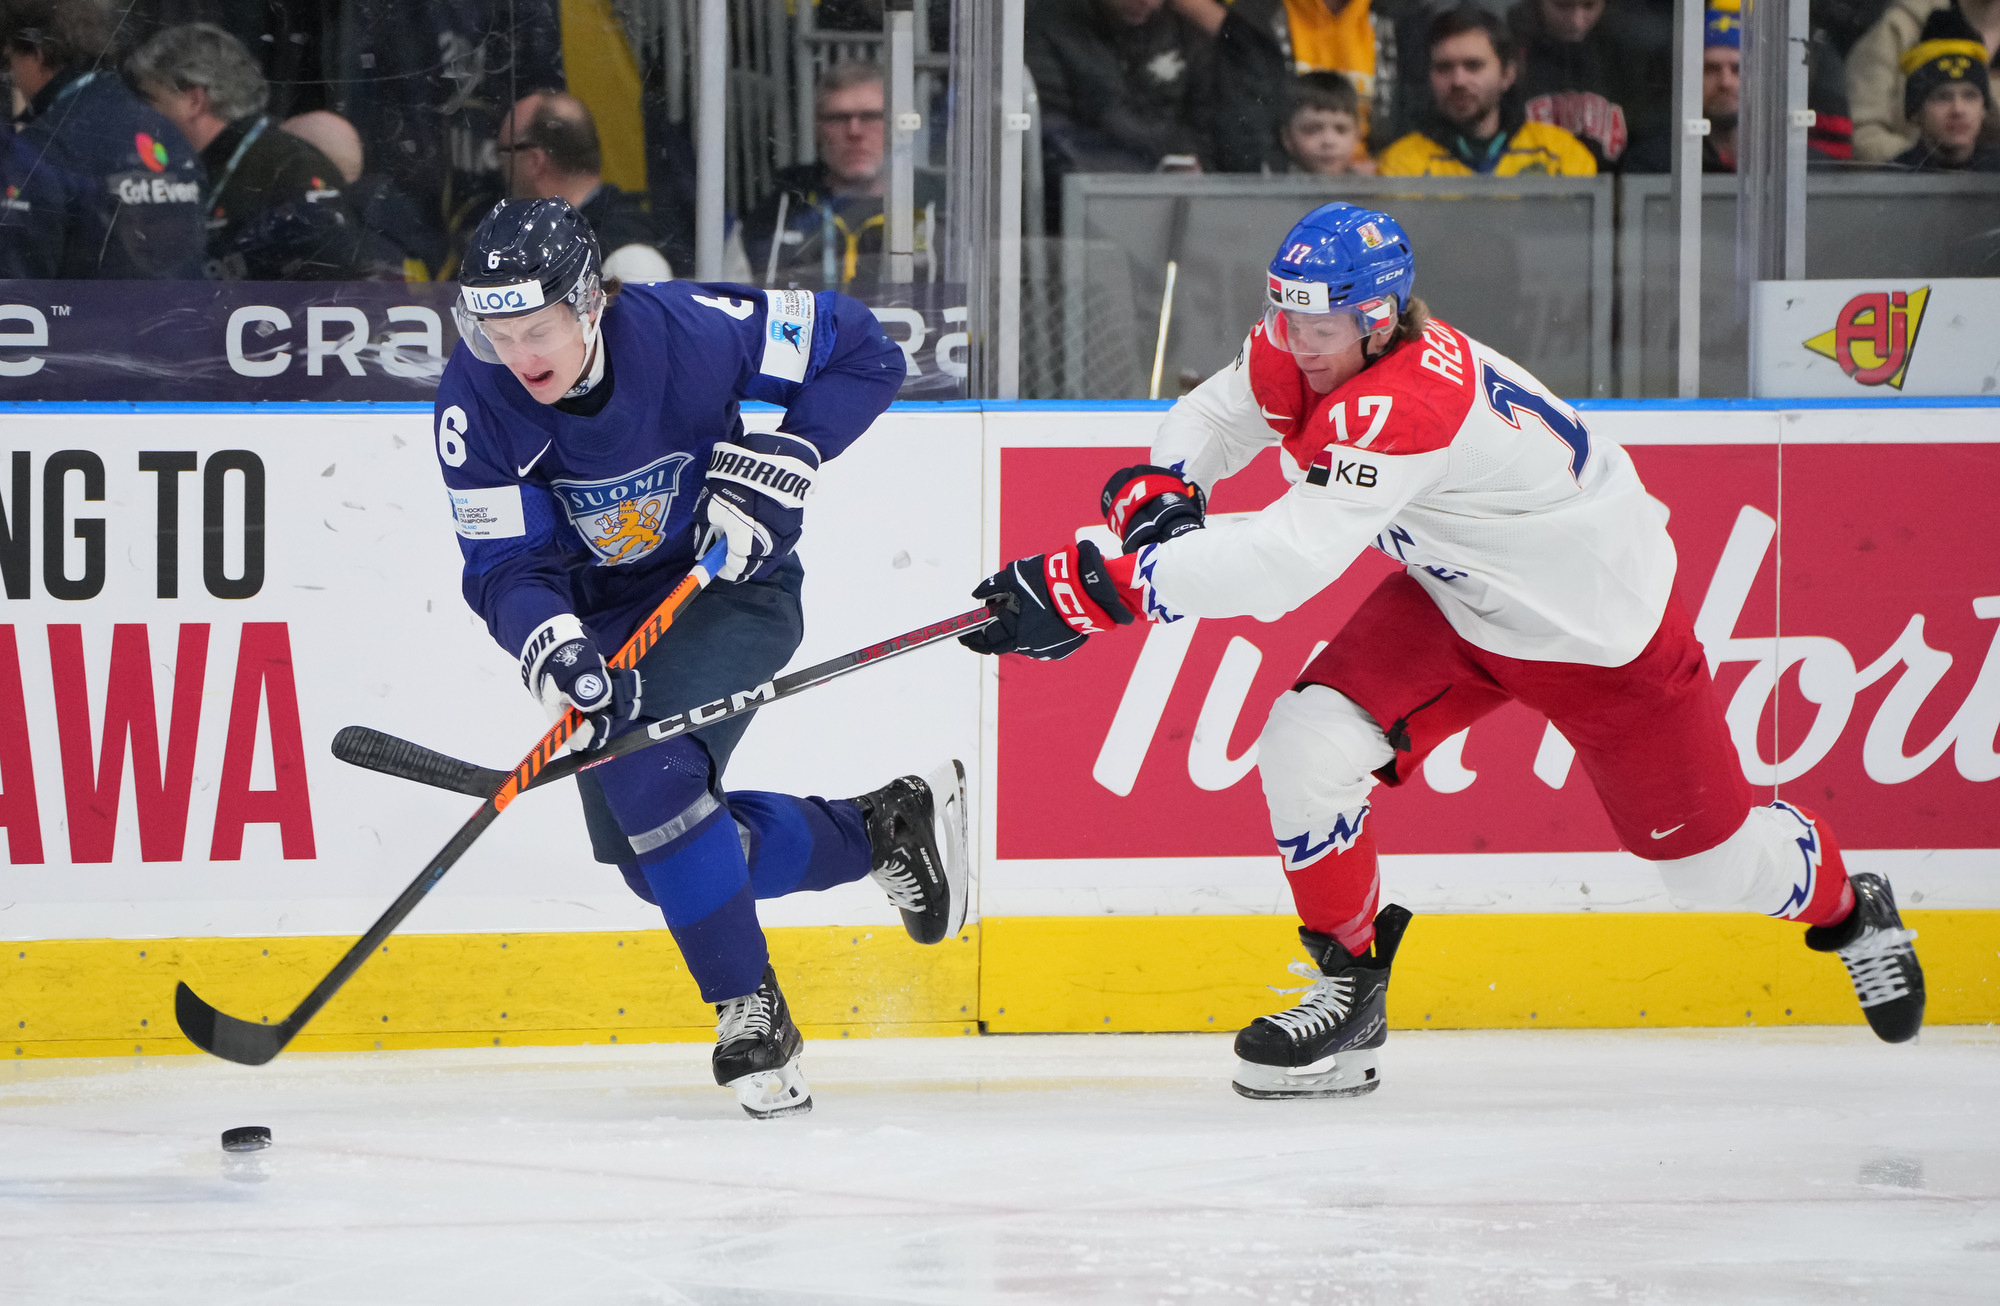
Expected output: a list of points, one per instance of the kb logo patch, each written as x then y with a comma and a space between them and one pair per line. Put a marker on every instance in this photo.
624, 518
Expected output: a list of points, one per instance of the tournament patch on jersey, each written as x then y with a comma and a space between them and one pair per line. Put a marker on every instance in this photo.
788, 333
624, 518
493, 514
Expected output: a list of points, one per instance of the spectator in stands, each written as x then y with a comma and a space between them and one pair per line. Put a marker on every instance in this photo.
1477, 126
1261, 45
549, 150
1125, 86
94, 183
394, 229
274, 207
1829, 141
1586, 71
1721, 84
1946, 94
1322, 133
828, 215
1882, 130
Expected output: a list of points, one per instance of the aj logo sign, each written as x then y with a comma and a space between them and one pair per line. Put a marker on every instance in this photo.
1874, 335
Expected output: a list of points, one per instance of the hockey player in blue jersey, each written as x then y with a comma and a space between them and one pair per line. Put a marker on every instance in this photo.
591, 443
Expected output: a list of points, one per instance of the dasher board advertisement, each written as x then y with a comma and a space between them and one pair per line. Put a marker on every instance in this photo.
1866, 682
1875, 339
195, 602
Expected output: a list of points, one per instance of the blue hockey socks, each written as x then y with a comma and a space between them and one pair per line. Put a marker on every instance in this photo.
801, 844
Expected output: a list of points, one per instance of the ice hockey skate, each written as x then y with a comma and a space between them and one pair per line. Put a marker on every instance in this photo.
757, 1052
1875, 948
1325, 1046
917, 842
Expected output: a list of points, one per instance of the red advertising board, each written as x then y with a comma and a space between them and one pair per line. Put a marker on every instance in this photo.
1884, 613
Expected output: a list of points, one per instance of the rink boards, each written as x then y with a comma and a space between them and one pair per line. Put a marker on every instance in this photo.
304, 577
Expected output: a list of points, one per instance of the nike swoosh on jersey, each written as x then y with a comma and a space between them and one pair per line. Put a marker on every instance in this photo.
523, 471
1270, 416
1661, 834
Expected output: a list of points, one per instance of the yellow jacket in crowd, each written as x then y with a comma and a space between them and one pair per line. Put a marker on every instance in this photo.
1534, 148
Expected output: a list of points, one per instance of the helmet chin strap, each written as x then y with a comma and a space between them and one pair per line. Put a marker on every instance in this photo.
1369, 360
593, 367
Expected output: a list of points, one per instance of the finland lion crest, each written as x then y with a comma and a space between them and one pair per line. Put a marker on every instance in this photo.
623, 518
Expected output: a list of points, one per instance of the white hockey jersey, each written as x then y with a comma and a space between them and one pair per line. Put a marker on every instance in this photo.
1534, 536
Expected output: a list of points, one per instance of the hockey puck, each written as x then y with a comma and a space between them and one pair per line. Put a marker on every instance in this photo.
246, 1138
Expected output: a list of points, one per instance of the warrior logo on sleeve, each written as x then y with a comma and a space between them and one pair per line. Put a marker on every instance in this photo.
623, 518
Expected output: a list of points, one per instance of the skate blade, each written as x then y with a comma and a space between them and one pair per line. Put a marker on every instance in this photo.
768, 1094
948, 831
1348, 1075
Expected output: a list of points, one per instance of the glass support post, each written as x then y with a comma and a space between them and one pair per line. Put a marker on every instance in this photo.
1694, 128
899, 28
711, 142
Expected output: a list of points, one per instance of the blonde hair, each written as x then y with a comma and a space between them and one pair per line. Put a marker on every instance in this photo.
1410, 323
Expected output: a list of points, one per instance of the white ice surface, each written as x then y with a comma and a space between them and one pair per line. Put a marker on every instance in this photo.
1795, 1166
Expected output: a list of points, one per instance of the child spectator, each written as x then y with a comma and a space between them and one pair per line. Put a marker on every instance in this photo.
1945, 94
1584, 70
1882, 130
1261, 45
1476, 126
1322, 133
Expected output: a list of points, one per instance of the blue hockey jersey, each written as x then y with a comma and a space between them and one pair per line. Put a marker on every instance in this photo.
594, 516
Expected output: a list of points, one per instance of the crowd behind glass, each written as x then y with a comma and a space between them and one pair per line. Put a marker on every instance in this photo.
284, 140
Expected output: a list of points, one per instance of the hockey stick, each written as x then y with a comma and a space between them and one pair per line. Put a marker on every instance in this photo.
377, 751
252, 1045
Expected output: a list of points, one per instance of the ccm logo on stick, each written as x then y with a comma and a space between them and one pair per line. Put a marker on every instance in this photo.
709, 713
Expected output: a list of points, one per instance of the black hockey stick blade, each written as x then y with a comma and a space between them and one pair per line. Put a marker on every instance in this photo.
377, 751
224, 1035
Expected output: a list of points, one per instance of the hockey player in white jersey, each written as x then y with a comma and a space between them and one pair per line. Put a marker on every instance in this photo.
1536, 569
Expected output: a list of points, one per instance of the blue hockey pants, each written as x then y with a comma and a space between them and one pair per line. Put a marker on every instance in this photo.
703, 855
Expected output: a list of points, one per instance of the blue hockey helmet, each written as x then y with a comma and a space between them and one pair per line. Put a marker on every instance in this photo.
525, 256
1351, 266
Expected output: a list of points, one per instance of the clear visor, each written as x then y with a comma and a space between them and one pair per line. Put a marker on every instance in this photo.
532, 335
1312, 333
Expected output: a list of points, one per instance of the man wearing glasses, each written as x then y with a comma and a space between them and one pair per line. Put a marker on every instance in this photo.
827, 215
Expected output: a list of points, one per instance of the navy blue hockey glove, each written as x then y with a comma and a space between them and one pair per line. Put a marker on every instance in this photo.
563, 668
1150, 505
755, 497
1049, 604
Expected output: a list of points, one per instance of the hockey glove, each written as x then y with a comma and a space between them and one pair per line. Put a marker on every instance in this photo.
755, 497
564, 670
1150, 505
1049, 604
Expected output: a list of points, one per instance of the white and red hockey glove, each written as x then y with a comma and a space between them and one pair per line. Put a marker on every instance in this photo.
1048, 605
562, 668
1151, 505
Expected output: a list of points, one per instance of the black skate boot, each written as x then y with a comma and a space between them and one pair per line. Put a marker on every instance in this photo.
757, 1052
1325, 1046
916, 835
1875, 948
